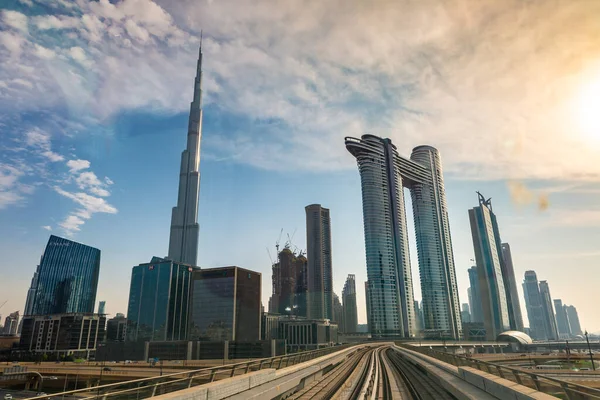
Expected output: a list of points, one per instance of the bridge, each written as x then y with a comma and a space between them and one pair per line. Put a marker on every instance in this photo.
374, 370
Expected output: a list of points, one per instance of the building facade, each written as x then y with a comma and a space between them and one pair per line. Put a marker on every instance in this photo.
533, 303
350, 311
102, 307
67, 278
62, 334
290, 283
475, 296
116, 328
320, 272
573, 317
488, 256
562, 321
465, 314
183, 239
338, 312
225, 305
11, 324
510, 286
549, 318
159, 301
384, 174
30, 300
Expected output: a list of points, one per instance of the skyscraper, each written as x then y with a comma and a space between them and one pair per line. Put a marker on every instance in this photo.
486, 243
67, 278
475, 299
574, 324
368, 305
102, 307
225, 304
30, 300
320, 278
290, 284
338, 313
158, 301
183, 241
349, 305
549, 319
465, 313
533, 302
11, 323
562, 321
383, 175
510, 286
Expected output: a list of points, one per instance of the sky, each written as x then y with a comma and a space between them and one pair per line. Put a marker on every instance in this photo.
94, 100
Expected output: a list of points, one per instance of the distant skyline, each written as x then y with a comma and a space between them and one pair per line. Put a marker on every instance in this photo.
94, 100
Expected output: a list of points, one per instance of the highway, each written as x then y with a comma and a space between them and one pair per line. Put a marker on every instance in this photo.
374, 372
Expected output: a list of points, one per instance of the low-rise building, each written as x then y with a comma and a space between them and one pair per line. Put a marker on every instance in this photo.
116, 328
63, 334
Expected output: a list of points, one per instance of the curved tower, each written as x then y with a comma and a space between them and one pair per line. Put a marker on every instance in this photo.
183, 241
384, 174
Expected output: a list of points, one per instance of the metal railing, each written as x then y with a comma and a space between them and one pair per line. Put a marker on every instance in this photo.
552, 386
158, 385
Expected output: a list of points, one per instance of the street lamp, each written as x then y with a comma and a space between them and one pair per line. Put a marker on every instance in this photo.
587, 339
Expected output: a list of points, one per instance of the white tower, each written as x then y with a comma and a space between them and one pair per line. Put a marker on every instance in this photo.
183, 242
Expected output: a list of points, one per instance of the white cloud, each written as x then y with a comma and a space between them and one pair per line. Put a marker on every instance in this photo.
10, 190
87, 179
491, 91
41, 140
44, 53
89, 205
108, 180
71, 224
15, 20
47, 227
77, 165
98, 191
28, 3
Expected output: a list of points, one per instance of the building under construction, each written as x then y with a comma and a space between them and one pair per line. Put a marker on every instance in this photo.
290, 284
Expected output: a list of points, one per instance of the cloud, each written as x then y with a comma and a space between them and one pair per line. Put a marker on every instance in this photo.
491, 84
47, 227
15, 20
89, 205
575, 218
77, 165
10, 190
41, 140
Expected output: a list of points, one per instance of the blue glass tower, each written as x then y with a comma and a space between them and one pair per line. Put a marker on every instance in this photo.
67, 278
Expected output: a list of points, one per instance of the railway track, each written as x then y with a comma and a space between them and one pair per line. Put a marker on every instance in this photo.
419, 385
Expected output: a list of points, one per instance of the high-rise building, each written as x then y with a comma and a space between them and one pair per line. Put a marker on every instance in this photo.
549, 318
488, 256
533, 303
102, 307
11, 323
418, 320
183, 241
158, 301
562, 321
510, 286
573, 317
475, 298
67, 278
465, 314
290, 283
383, 175
320, 278
116, 328
225, 305
338, 312
349, 305
30, 300
368, 305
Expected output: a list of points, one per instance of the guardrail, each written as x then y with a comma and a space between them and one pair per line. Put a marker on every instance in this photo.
154, 386
542, 383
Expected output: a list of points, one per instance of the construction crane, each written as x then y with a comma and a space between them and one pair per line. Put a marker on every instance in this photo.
2, 305
270, 258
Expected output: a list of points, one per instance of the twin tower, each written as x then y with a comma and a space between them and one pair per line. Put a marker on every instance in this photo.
390, 304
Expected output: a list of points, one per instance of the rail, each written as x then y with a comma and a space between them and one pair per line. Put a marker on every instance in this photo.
154, 386
539, 382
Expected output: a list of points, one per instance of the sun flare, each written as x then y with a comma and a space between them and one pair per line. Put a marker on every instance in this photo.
587, 108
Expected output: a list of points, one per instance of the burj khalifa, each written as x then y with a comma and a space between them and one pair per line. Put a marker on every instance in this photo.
183, 241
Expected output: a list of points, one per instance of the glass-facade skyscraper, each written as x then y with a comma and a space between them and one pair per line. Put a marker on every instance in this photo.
573, 317
67, 278
549, 318
225, 305
349, 305
562, 321
320, 270
475, 296
488, 256
158, 301
510, 285
383, 175
533, 302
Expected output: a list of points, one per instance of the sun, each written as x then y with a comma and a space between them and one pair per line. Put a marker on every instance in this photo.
587, 108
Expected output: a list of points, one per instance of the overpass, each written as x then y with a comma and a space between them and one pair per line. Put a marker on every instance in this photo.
378, 370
